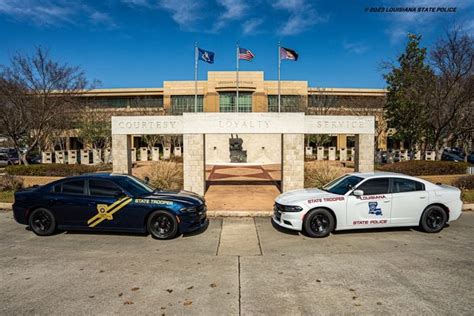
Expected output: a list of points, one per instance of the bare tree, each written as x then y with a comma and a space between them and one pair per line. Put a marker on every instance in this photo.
35, 92
451, 102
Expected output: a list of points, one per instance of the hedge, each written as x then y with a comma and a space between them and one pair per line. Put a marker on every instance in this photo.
465, 183
426, 168
55, 170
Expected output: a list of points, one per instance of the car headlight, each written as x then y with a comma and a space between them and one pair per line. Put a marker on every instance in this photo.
188, 209
291, 208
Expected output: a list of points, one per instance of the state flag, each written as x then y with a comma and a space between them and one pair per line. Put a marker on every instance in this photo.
206, 56
289, 54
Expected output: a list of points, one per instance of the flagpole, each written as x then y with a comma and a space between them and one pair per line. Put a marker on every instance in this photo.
279, 92
237, 81
195, 76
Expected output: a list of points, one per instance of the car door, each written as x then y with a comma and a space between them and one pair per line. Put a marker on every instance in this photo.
108, 207
69, 202
373, 208
409, 199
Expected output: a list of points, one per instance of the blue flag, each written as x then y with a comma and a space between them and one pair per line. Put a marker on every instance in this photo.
206, 56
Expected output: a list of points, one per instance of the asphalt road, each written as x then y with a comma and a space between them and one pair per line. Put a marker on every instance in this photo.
237, 267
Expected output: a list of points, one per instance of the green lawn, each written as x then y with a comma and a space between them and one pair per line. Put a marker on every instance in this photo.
468, 196
6, 196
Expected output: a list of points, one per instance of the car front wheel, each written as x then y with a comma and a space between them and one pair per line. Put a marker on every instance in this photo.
162, 225
434, 219
319, 223
42, 222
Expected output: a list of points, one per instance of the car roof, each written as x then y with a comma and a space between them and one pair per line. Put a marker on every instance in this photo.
380, 174
96, 175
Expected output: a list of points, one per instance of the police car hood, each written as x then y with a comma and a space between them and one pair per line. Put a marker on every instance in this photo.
297, 196
177, 196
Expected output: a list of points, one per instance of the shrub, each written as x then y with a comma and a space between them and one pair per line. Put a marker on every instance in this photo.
426, 168
10, 183
465, 182
318, 174
55, 170
166, 175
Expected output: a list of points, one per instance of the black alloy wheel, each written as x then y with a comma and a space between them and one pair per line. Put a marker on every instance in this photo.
319, 223
162, 225
434, 219
42, 222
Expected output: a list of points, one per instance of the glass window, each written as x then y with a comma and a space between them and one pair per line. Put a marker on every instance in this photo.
104, 188
406, 185
342, 185
147, 102
73, 187
227, 102
374, 186
134, 186
56, 188
289, 103
185, 103
109, 102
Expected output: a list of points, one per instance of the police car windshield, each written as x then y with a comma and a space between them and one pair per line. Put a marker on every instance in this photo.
342, 185
134, 186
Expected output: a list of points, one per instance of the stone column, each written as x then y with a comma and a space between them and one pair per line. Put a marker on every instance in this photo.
364, 153
193, 163
122, 160
292, 162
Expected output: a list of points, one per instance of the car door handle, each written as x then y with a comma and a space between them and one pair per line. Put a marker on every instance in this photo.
422, 197
387, 201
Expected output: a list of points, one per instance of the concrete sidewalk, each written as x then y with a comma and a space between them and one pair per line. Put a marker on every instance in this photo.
238, 267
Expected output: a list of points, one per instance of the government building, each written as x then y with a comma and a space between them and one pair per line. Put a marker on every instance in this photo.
218, 94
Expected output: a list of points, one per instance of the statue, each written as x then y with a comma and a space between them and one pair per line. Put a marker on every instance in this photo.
235, 147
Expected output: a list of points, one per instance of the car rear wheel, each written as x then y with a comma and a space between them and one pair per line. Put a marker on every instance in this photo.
319, 223
42, 222
162, 225
434, 219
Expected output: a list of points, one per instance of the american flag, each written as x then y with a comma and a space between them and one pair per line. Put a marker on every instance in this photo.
245, 54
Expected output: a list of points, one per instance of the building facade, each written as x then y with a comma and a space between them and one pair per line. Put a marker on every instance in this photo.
218, 94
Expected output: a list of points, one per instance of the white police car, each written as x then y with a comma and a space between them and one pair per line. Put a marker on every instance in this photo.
368, 200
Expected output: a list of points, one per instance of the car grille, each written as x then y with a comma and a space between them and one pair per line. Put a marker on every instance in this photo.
277, 209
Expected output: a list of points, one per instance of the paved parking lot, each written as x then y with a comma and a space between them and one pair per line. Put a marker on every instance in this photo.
238, 266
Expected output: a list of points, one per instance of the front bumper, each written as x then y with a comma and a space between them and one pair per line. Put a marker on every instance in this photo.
290, 220
193, 221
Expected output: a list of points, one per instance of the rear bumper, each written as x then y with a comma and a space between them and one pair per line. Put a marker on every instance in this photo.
455, 210
19, 214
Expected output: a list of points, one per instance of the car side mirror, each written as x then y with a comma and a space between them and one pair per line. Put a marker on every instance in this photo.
358, 192
147, 180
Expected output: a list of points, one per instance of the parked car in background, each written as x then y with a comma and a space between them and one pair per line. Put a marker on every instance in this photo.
470, 157
368, 200
449, 156
12, 155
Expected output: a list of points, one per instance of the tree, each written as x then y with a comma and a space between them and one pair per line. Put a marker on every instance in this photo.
451, 101
36, 95
408, 85
94, 128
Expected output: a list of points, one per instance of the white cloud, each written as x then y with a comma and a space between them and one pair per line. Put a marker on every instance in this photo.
52, 12
251, 26
233, 10
357, 48
183, 12
302, 16
403, 22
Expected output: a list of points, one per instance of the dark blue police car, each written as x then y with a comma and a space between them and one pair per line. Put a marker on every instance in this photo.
109, 202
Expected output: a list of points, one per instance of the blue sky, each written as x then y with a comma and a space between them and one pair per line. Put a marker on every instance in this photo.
141, 43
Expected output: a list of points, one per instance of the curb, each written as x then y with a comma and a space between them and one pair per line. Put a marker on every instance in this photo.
229, 213
6, 205
263, 213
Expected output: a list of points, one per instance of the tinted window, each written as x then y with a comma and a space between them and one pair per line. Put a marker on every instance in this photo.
342, 185
73, 187
104, 188
56, 188
406, 185
374, 186
134, 186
